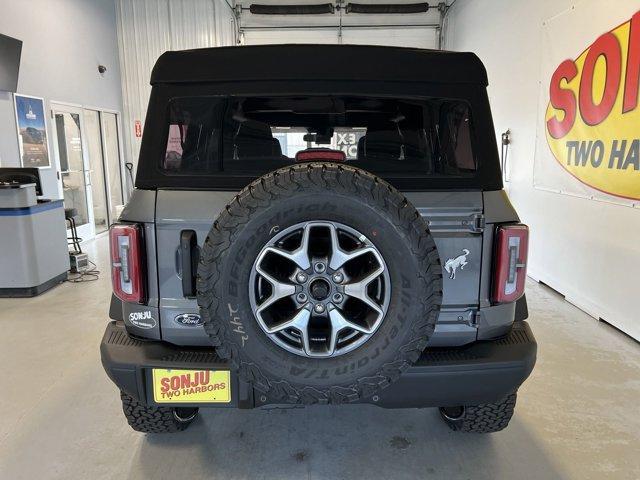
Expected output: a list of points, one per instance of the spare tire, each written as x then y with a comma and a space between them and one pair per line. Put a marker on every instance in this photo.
320, 283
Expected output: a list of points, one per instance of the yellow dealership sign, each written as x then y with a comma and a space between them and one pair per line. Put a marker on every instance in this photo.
592, 120
191, 386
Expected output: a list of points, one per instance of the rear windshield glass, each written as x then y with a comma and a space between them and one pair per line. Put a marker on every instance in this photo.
254, 135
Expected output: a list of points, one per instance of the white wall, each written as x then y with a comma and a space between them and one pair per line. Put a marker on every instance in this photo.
63, 43
587, 250
147, 29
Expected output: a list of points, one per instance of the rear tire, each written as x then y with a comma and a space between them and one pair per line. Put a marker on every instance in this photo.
483, 418
149, 419
347, 198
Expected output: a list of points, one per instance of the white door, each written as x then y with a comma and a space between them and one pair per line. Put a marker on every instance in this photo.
99, 194
103, 148
415, 37
409, 36
271, 36
114, 166
344, 26
75, 174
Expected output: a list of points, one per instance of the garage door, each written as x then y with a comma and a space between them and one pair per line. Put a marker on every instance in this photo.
419, 37
286, 35
406, 36
344, 25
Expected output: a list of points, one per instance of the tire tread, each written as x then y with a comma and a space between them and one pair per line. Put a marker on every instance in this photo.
486, 417
150, 419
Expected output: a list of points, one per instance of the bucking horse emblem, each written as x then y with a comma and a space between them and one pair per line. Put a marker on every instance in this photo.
453, 263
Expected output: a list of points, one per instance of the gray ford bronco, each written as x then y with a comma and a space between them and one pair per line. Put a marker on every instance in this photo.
318, 224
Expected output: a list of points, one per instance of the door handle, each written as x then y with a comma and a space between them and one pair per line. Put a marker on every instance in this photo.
189, 258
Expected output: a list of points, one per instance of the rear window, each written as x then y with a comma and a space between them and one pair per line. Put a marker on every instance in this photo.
254, 135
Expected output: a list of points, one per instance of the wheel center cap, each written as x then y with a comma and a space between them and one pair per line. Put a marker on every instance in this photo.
319, 289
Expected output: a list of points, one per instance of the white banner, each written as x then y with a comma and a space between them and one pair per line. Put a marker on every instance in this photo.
588, 137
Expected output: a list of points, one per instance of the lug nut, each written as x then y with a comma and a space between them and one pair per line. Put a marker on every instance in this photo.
337, 277
319, 267
301, 277
337, 297
302, 297
319, 308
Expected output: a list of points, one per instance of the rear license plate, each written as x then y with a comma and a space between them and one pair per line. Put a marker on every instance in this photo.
191, 386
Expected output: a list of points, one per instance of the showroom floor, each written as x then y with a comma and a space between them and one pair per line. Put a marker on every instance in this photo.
577, 416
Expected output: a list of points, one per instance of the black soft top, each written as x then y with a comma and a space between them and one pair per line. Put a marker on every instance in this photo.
318, 62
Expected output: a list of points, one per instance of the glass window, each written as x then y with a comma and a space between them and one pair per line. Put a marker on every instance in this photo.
72, 164
194, 135
254, 135
112, 160
93, 137
292, 140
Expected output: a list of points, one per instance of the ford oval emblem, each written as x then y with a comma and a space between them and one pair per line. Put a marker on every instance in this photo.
189, 319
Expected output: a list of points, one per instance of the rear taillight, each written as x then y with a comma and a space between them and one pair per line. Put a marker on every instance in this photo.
127, 262
510, 262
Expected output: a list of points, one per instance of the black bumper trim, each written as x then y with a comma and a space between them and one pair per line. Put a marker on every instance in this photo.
115, 308
482, 372
522, 310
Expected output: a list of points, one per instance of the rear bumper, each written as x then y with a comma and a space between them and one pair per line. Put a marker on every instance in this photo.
482, 372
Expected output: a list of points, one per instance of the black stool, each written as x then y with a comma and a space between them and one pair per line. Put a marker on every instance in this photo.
70, 215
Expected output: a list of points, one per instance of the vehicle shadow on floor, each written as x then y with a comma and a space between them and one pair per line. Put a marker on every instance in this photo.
339, 442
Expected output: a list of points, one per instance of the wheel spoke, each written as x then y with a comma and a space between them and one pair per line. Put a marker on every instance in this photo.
299, 321
300, 256
339, 257
304, 334
359, 289
339, 323
279, 289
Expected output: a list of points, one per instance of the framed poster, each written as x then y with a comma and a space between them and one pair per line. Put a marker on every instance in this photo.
32, 131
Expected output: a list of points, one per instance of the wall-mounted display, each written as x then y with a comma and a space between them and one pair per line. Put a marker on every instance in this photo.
32, 131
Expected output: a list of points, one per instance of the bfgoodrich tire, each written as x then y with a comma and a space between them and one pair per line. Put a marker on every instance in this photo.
364, 212
150, 419
483, 418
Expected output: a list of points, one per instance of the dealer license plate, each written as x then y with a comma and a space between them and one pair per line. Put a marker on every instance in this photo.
191, 386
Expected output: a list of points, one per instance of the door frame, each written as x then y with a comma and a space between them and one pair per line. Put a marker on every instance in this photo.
105, 186
123, 170
86, 231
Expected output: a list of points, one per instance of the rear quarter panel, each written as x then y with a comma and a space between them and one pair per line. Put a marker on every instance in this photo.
177, 211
